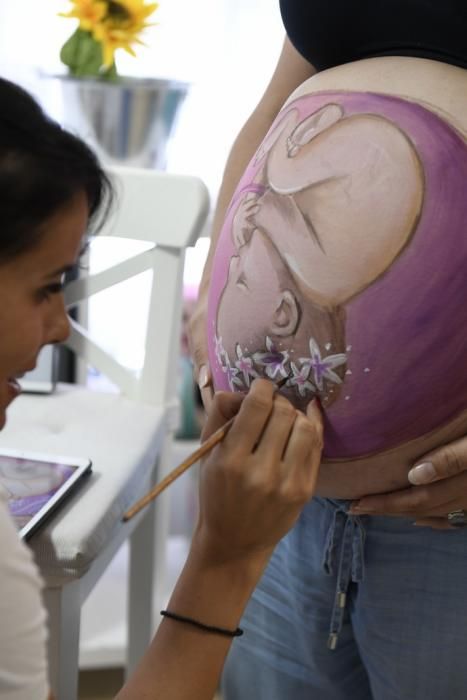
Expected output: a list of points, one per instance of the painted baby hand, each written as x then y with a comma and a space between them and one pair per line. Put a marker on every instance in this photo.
243, 223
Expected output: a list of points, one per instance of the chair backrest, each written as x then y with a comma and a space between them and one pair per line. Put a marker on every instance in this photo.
168, 211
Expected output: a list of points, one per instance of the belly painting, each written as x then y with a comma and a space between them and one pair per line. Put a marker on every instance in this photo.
342, 265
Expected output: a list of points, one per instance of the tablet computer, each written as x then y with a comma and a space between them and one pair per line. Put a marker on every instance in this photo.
36, 484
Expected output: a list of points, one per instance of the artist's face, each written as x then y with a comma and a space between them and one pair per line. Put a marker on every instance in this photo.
32, 312
255, 301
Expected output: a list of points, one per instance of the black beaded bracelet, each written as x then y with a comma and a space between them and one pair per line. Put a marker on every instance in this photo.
200, 625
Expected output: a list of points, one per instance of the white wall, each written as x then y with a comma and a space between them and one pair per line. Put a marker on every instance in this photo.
226, 48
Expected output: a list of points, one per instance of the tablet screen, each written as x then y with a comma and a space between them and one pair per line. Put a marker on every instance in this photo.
34, 485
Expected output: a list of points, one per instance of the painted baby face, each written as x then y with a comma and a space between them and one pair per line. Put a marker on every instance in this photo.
312, 239
271, 337
254, 283
362, 199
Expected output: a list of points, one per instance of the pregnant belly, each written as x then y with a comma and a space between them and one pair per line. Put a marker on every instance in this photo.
341, 263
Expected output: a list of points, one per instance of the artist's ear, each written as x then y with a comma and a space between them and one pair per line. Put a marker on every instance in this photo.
286, 315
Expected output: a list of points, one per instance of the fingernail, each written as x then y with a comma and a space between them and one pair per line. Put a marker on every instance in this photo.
203, 377
314, 405
361, 510
422, 473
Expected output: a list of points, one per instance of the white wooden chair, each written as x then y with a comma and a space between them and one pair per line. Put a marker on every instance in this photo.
127, 435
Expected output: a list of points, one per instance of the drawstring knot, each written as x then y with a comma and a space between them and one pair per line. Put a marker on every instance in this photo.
347, 533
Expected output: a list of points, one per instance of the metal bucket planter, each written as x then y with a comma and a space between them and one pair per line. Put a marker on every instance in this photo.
128, 122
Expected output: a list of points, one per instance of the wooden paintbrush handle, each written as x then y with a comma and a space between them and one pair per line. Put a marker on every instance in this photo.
203, 450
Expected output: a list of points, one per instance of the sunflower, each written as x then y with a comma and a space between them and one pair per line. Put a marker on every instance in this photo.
121, 27
114, 24
88, 12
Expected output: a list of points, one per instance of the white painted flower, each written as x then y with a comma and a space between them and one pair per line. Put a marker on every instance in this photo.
300, 379
232, 376
244, 364
273, 360
221, 354
322, 367
218, 347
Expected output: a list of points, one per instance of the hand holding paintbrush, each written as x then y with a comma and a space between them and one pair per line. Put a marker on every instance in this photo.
252, 488
214, 439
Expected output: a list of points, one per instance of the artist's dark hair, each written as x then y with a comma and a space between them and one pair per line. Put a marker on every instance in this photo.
42, 167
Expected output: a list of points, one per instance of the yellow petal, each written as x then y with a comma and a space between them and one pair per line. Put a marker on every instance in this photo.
108, 55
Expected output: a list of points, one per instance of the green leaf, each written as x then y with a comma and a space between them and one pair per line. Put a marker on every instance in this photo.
82, 54
110, 73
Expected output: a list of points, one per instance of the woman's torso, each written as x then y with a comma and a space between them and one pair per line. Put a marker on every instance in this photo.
365, 164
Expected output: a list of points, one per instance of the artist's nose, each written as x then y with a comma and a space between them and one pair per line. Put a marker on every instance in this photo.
58, 326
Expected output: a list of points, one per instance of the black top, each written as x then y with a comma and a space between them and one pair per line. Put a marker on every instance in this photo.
331, 32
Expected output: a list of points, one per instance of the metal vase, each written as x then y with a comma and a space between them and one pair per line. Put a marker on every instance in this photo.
128, 122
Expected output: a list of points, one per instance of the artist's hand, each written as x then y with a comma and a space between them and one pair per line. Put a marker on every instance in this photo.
440, 487
197, 337
255, 483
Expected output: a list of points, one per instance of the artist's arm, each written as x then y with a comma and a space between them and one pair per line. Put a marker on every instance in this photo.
252, 489
291, 71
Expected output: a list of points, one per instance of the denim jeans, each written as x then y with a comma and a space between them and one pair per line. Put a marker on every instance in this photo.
356, 608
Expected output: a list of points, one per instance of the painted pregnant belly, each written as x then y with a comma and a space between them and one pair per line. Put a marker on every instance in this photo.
342, 266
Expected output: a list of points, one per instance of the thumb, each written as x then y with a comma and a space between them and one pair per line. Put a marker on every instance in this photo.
449, 460
204, 376
197, 338
198, 350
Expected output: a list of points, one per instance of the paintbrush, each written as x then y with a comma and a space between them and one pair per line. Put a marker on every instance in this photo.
203, 450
